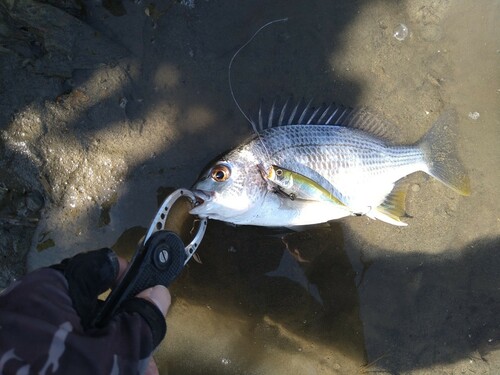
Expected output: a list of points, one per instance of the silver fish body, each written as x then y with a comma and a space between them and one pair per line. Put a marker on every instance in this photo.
360, 168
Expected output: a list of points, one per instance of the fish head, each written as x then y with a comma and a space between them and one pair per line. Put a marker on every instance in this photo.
230, 188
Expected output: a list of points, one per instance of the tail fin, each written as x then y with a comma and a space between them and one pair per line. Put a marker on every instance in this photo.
438, 146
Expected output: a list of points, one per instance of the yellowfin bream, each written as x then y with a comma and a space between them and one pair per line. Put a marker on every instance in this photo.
338, 148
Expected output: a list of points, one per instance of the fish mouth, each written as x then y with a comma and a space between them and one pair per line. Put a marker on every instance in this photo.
202, 196
202, 203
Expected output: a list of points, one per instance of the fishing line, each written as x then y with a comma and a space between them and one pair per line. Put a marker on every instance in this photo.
231, 85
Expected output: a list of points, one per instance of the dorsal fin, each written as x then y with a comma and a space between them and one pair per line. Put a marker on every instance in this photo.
283, 111
292, 115
305, 113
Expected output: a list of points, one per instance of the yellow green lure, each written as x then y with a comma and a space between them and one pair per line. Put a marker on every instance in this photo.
298, 186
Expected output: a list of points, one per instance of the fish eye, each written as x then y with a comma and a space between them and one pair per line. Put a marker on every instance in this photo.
279, 172
220, 173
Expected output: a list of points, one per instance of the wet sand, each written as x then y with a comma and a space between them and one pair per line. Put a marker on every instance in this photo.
104, 109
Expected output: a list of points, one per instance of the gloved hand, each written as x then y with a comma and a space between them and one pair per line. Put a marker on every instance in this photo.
45, 321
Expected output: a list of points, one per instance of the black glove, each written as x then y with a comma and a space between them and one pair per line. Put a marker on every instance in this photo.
90, 274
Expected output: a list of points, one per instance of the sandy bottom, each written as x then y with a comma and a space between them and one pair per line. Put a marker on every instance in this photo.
104, 109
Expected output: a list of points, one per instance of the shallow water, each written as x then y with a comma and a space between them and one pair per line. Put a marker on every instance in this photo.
356, 296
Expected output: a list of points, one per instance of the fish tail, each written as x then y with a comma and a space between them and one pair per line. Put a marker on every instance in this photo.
440, 155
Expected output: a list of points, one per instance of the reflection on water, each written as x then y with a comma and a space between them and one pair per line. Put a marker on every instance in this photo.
285, 293
270, 300
274, 295
289, 291
267, 301
290, 269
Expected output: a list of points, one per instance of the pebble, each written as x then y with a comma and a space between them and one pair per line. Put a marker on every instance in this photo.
474, 115
415, 187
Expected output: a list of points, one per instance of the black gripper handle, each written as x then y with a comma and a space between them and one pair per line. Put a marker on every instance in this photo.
159, 262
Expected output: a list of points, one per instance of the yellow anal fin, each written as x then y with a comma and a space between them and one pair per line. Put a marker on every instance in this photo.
393, 207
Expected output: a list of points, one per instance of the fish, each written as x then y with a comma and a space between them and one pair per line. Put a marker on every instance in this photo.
297, 186
339, 148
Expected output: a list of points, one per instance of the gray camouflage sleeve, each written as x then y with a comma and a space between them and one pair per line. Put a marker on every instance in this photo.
41, 332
